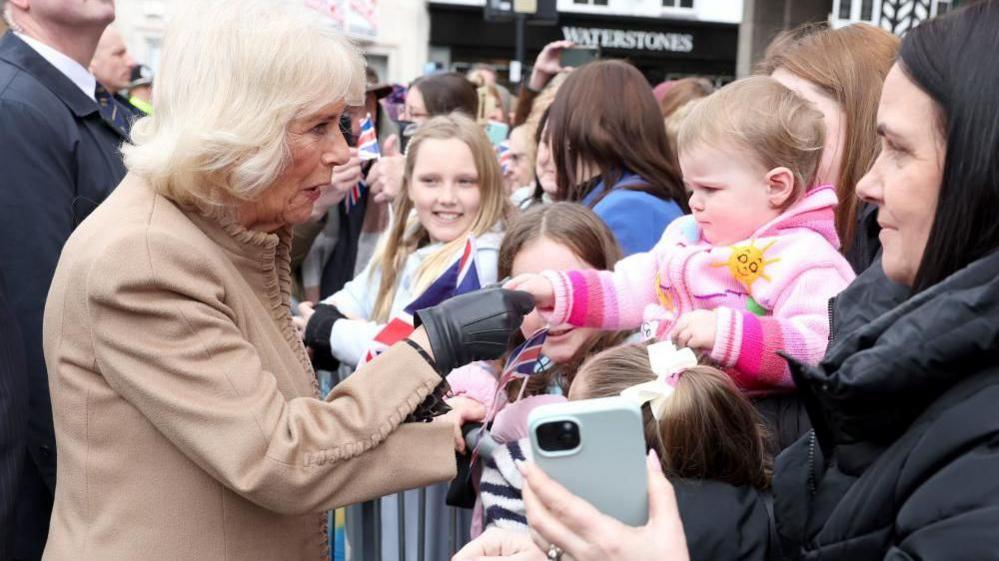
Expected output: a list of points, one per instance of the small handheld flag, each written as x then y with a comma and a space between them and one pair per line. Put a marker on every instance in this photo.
524, 359
354, 195
504, 156
367, 141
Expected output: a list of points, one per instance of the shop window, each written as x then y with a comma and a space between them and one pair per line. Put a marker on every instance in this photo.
867, 10
844, 9
678, 4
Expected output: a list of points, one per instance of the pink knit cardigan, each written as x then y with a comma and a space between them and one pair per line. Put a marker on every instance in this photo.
770, 292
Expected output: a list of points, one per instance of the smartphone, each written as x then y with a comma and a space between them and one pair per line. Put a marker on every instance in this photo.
497, 131
596, 449
578, 56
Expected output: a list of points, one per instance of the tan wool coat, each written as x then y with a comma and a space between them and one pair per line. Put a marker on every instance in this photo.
187, 419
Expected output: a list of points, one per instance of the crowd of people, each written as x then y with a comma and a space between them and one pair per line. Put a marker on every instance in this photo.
811, 248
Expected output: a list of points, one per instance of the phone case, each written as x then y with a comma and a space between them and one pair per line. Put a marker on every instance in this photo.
607, 469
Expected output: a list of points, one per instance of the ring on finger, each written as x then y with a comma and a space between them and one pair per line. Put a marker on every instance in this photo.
555, 552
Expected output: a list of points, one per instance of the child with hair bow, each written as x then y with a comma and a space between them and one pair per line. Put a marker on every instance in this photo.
703, 429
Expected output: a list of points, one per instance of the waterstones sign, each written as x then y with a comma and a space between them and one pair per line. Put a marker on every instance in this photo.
629, 39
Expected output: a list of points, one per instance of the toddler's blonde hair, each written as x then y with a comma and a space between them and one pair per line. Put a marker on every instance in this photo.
760, 117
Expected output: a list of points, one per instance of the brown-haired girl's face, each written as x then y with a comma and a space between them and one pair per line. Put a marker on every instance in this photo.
833, 117
415, 108
564, 341
544, 165
444, 188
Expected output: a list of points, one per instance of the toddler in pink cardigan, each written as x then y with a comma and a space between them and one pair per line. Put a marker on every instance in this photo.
751, 271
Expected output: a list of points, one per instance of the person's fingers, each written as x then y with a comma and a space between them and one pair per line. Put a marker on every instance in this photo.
664, 513
374, 177
662, 497
472, 411
459, 439
348, 173
391, 147
305, 308
516, 282
547, 524
496, 543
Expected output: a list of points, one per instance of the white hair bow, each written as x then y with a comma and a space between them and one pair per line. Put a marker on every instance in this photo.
668, 362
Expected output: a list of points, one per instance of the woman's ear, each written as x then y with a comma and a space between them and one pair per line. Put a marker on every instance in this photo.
780, 186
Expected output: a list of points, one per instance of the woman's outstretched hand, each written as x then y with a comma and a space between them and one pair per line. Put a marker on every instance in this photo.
473, 326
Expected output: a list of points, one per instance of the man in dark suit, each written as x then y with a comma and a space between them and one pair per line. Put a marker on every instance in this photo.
13, 419
112, 66
59, 139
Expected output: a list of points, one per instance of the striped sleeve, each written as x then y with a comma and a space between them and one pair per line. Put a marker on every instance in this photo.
500, 488
605, 299
798, 325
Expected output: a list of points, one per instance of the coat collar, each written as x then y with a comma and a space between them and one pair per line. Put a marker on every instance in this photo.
18, 53
878, 378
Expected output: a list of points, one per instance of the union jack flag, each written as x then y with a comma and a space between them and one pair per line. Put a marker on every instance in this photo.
367, 141
354, 195
459, 278
524, 359
504, 156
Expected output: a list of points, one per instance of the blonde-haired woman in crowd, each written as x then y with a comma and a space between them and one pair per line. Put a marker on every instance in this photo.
185, 407
452, 189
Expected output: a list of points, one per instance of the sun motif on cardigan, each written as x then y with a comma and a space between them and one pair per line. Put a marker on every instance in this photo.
747, 263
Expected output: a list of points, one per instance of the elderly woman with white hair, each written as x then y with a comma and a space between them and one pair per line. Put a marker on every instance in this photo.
186, 410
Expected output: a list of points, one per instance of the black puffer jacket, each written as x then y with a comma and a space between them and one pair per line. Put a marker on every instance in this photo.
722, 521
903, 462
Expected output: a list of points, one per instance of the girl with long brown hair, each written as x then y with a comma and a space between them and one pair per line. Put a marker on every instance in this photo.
840, 71
611, 152
452, 189
560, 235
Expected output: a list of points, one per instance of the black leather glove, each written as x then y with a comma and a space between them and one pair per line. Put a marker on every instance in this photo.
473, 326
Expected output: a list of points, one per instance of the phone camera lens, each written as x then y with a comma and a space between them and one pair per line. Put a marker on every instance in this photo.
558, 436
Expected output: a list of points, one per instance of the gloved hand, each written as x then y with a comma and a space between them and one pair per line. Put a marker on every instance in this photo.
473, 326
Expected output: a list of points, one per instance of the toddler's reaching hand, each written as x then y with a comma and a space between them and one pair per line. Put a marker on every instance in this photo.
696, 330
536, 285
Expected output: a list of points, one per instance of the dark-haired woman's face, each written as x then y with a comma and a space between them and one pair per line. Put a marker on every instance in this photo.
415, 108
905, 179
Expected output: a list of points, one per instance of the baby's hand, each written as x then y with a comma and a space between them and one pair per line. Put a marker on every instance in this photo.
696, 330
537, 286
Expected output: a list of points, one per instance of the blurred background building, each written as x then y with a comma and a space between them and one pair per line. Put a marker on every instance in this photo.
403, 39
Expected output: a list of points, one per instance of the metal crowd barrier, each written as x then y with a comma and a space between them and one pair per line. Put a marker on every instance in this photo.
365, 541
364, 528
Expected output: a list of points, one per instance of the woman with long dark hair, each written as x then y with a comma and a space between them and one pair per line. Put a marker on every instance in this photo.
611, 152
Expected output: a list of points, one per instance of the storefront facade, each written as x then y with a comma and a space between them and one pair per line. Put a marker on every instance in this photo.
662, 48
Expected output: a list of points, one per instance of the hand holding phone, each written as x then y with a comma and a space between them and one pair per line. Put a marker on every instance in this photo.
596, 449
578, 56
